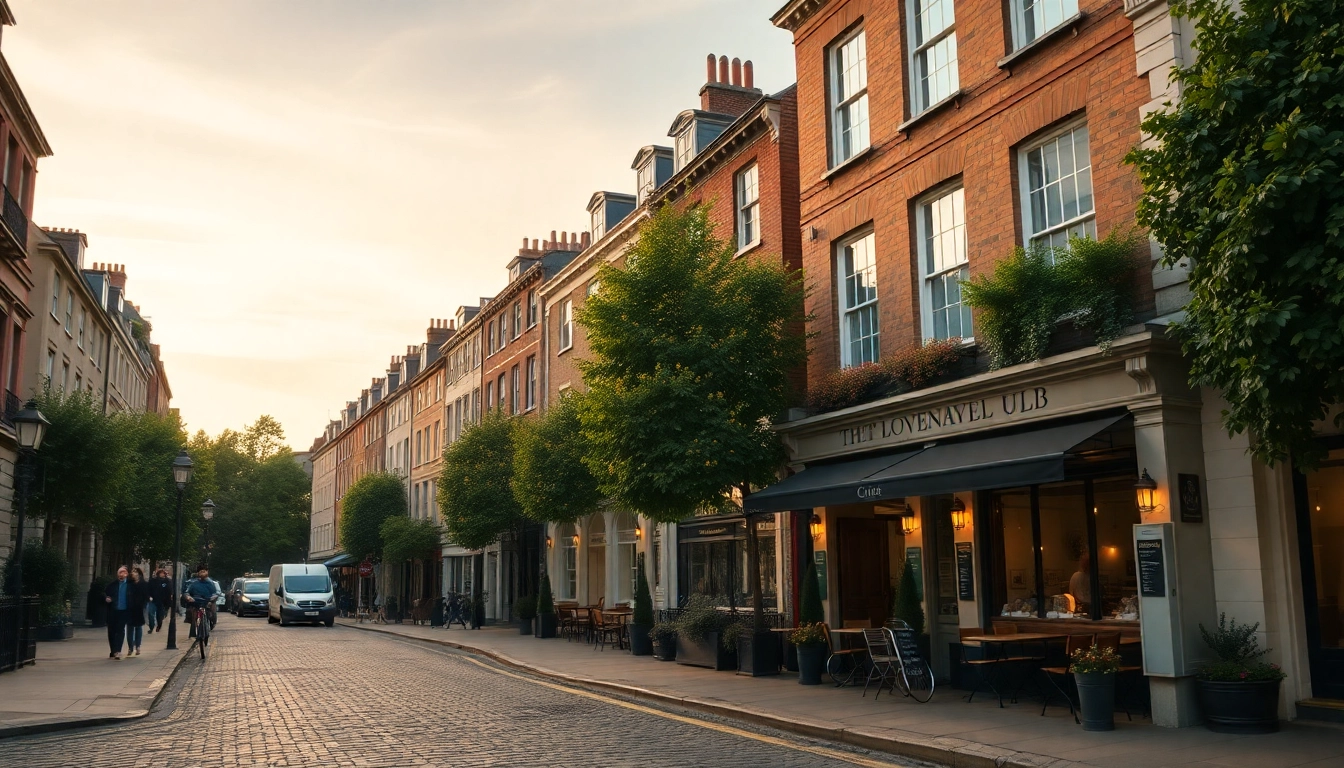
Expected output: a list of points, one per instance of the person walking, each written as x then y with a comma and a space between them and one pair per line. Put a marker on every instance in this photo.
118, 596
160, 600
135, 612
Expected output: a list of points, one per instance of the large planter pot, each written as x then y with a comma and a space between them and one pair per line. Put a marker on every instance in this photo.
666, 649
811, 662
524, 626
1096, 699
52, 632
705, 652
546, 623
1241, 707
640, 642
758, 653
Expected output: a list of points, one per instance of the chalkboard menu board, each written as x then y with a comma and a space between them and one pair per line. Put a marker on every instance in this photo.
820, 557
965, 571
915, 557
1152, 572
907, 648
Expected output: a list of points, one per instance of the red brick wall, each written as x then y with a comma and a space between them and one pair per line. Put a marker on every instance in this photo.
975, 140
517, 350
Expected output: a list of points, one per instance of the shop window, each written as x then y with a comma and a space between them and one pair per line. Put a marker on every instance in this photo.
627, 562
1052, 559
570, 557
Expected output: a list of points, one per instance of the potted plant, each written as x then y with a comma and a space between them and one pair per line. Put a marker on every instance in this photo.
698, 629
756, 646
810, 640
641, 622
907, 607
525, 610
545, 609
1094, 672
1239, 691
47, 575
664, 637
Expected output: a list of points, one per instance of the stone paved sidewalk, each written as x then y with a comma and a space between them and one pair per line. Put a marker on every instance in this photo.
74, 683
946, 730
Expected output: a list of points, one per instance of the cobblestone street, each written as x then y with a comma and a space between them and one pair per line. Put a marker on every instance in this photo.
318, 696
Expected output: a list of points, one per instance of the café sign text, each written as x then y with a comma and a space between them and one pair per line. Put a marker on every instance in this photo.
929, 421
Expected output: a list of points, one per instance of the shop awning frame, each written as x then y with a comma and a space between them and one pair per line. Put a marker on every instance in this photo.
1019, 458
339, 560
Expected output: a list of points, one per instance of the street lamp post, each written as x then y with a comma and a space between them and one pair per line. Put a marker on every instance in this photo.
208, 514
181, 475
30, 426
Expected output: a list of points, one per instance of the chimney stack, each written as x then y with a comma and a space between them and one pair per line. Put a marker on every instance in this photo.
117, 276
731, 90
438, 332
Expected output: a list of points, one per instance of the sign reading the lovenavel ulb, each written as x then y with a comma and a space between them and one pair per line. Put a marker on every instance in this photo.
931, 420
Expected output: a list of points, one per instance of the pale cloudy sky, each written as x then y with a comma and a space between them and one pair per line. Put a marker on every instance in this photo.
297, 186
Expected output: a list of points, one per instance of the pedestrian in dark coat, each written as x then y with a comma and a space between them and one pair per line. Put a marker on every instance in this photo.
135, 612
160, 599
118, 596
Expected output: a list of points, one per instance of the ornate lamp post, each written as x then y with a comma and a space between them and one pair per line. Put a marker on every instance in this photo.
207, 514
181, 475
30, 427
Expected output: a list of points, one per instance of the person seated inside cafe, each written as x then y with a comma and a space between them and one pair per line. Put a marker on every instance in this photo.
1080, 584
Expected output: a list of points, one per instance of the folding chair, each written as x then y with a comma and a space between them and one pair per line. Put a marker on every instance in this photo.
882, 661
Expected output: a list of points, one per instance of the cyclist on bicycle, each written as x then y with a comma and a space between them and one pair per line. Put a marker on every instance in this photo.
201, 592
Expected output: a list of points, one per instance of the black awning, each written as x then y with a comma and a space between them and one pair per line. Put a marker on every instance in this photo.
1005, 461
1002, 461
822, 485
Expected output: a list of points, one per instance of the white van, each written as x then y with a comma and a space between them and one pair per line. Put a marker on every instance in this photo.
301, 593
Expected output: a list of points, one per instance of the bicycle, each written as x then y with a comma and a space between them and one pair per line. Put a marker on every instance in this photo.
201, 620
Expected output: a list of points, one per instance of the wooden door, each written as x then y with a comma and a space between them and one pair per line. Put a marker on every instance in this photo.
865, 588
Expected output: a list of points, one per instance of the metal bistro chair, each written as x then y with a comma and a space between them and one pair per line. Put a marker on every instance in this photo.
843, 664
605, 631
882, 661
1054, 674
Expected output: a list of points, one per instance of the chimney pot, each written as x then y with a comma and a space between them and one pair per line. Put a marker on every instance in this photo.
709, 68
747, 79
723, 69
574, 239
564, 238
587, 239
524, 242
534, 243
737, 71
552, 241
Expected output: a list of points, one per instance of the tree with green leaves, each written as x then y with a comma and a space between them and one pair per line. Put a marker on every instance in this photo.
368, 503
144, 519
407, 539
476, 498
906, 606
691, 355
551, 481
1244, 183
84, 461
810, 610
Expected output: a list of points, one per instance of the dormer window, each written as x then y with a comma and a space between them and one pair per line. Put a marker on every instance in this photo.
644, 180
599, 224
685, 146
514, 272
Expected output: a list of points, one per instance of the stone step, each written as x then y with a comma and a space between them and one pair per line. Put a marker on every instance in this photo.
1325, 710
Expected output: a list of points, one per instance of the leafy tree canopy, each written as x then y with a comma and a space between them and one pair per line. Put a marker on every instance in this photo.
691, 355
550, 479
84, 460
407, 539
368, 502
1246, 186
475, 485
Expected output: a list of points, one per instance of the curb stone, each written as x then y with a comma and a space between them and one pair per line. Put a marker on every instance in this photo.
149, 700
945, 750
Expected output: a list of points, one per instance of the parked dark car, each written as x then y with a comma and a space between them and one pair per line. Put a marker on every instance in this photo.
253, 599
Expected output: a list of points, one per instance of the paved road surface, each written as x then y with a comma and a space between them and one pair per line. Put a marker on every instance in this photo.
342, 697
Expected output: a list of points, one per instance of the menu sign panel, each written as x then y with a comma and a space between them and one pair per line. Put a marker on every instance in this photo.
907, 648
965, 571
1152, 570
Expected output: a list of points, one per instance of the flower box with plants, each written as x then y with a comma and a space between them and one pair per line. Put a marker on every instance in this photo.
546, 621
664, 637
1094, 671
900, 371
699, 629
46, 574
757, 647
1239, 691
810, 640
641, 620
525, 610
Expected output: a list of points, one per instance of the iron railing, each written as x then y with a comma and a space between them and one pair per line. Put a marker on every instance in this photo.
18, 632
15, 219
13, 404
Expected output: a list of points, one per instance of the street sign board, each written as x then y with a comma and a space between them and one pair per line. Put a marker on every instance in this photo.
366, 568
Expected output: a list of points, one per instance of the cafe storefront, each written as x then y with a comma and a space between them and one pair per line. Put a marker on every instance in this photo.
1020, 496
712, 560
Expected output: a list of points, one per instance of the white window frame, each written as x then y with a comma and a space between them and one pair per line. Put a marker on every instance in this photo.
532, 308
920, 51
531, 382
56, 295
644, 179
1084, 222
566, 325
847, 358
747, 193
517, 318
684, 146
858, 100
1063, 11
928, 274
599, 223
515, 389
